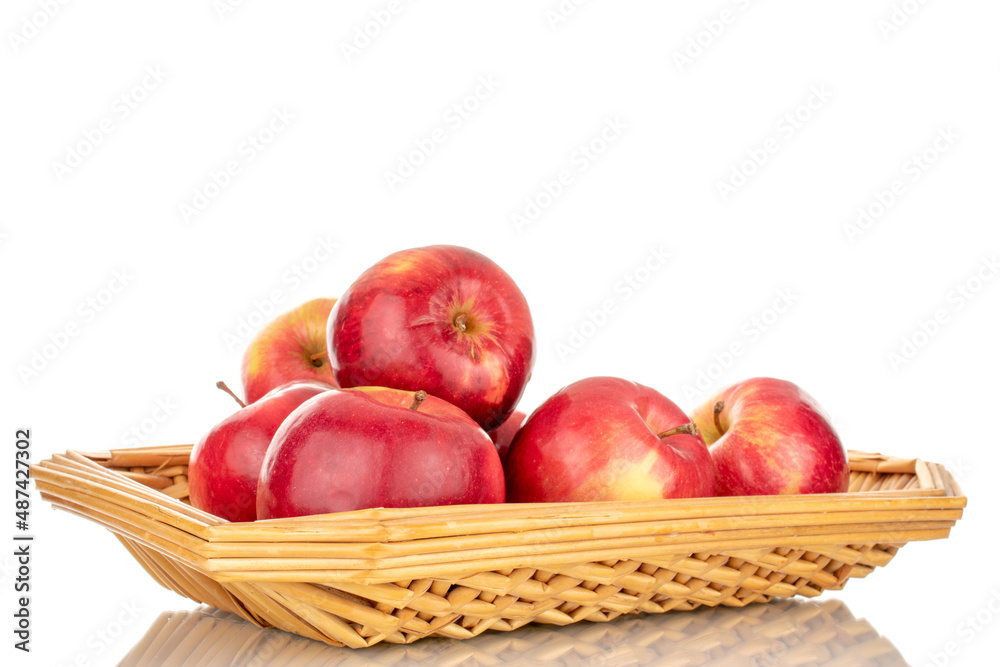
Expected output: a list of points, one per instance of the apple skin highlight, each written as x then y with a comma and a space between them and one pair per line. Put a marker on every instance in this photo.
225, 463
443, 319
290, 347
600, 439
351, 449
768, 437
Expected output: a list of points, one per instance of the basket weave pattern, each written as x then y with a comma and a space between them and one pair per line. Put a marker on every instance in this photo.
396, 575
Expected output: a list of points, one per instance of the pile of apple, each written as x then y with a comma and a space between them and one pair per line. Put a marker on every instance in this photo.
402, 393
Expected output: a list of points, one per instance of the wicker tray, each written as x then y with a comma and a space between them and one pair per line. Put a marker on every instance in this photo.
359, 578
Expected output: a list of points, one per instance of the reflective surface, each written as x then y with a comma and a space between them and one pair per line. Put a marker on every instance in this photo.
787, 632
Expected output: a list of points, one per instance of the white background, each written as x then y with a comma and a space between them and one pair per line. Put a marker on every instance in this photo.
887, 92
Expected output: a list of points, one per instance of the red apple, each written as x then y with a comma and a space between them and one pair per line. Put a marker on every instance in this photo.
443, 319
504, 434
350, 449
604, 438
769, 437
225, 464
290, 347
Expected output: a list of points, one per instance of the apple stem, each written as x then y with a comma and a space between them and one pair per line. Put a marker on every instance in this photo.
418, 398
716, 411
318, 357
459, 321
690, 429
224, 387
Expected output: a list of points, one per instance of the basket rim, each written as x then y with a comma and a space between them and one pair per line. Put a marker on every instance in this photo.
389, 544
935, 483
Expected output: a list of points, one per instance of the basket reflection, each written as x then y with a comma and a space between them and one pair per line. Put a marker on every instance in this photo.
786, 632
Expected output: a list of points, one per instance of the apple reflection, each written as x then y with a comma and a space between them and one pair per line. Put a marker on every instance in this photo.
786, 632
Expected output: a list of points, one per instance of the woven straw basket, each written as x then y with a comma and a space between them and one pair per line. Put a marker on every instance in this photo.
396, 575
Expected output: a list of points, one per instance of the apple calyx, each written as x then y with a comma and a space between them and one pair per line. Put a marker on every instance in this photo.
470, 328
716, 411
688, 429
464, 320
418, 398
467, 323
224, 387
317, 359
